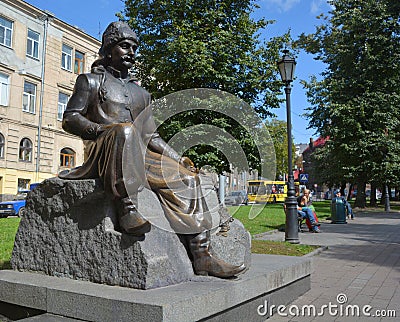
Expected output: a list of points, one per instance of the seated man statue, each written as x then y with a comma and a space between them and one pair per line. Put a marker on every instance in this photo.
111, 112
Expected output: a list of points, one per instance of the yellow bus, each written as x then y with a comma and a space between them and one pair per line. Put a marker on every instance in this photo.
266, 191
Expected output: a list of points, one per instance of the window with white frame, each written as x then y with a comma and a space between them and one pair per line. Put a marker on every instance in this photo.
2, 143
29, 97
32, 44
25, 150
4, 89
6, 30
79, 62
62, 104
66, 57
23, 184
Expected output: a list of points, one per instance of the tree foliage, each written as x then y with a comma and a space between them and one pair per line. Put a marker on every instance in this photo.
357, 103
278, 132
206, 44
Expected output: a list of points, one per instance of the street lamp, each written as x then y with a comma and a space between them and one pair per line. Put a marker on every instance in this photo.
286, 68
387, 198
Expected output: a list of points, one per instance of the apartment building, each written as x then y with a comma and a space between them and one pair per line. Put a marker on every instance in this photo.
40, 58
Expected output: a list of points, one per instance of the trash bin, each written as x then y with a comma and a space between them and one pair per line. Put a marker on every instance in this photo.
338, 211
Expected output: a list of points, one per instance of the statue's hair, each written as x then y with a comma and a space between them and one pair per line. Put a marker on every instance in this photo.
115, 32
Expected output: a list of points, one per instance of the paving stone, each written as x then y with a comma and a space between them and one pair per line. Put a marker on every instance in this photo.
369, 290
385, 292
362, 261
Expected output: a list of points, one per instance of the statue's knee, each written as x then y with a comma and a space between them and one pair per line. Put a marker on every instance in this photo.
122, 130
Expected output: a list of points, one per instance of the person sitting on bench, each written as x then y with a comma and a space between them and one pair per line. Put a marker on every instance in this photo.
349, 210
307, 213
305, 210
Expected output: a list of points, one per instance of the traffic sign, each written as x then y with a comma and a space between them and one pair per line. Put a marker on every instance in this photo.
304, 177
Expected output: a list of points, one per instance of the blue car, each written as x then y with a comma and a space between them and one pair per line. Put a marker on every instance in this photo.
15, 207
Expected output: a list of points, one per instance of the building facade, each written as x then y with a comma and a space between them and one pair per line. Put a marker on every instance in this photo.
314, 179
40, 58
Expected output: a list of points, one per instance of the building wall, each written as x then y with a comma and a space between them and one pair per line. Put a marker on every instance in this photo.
42, 127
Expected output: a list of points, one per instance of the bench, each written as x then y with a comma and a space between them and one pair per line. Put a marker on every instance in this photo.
300, 220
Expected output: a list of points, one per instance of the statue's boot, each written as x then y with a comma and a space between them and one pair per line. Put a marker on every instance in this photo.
130, 221
205, 263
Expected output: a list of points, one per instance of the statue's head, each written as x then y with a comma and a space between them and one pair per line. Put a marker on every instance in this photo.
115, 32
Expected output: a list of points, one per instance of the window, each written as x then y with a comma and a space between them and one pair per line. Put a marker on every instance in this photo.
1, 146
67, 158
4, 89
6, 29
25, 150
32, 44
23, 184
62, 104
66, 57
79, 62
29, 97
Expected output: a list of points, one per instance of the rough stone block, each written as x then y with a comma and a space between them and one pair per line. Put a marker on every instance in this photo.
68, 232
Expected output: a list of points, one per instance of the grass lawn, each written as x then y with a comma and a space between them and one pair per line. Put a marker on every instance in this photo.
8, 229
272, 216
280, 248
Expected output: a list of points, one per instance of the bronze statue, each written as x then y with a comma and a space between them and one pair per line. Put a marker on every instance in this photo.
104, 105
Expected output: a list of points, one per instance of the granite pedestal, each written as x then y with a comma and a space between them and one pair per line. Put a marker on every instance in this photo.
271, 280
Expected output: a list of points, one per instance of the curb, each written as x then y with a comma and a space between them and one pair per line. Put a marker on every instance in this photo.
316, 252
270, 232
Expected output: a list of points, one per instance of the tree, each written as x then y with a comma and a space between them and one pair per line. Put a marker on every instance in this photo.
278, 131
206, 44
357, 102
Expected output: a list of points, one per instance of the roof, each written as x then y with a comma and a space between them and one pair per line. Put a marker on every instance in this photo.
317, 143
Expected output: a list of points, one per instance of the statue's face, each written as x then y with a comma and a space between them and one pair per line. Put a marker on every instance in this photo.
123, 54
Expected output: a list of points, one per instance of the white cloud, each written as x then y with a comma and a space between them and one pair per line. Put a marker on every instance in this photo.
282, 5
317, 6
104, 3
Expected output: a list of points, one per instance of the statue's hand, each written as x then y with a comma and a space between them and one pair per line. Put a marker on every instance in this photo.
188, 164
94, 130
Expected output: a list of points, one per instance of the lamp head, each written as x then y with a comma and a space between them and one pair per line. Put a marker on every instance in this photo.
287, 66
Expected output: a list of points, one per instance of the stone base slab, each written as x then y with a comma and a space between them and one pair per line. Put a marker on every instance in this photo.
272, 278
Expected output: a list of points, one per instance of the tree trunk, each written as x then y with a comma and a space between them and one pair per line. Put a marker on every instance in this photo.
372, 201
342, 188
349, 192
382, 201
360, 199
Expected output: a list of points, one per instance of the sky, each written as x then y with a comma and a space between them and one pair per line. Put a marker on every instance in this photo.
297, 15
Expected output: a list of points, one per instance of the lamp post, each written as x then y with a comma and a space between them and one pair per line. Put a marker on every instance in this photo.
387, 198
286, 68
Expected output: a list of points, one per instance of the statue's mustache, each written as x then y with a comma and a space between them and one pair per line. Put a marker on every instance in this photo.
128, 58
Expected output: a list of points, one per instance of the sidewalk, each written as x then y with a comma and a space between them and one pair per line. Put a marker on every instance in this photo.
362, 263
